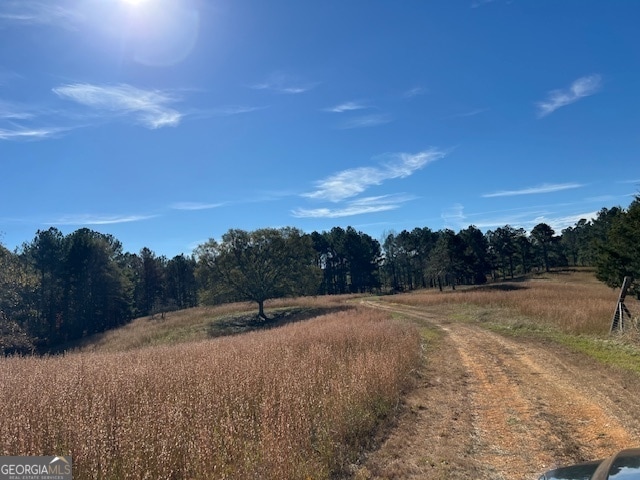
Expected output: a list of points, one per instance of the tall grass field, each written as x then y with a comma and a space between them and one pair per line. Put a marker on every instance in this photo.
573, 302
296, 402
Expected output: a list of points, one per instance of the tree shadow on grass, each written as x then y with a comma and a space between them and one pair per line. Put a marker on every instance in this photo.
503, 287
508, 285
239, 323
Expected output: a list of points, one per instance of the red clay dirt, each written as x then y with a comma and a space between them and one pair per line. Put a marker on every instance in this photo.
491, 407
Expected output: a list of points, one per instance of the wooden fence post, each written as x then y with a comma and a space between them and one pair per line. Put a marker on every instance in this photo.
617, 322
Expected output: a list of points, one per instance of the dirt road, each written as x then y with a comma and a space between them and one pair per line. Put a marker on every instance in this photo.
490, 407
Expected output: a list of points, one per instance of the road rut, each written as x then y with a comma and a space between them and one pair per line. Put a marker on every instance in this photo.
491, 407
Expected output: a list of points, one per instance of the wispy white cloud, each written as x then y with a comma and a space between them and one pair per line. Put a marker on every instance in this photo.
19, 122
346, 107
454, 216
14, 112
366, 121
414, 92
558, 216
516, 220
272, 195
545, 188
479, 3
347, 183
559, 223
348, 211
283, 83
357, 207
33, 12
195, 206
7, 76
90, 219
394, 198
230, 110
149, 108
602, 199
352, 182
582, 87
23, 133
470, 113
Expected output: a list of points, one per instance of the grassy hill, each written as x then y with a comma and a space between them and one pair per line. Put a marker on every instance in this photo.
299, 401
204, 323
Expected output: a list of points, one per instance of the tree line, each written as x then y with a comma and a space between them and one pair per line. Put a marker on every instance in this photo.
57, 288
60, 288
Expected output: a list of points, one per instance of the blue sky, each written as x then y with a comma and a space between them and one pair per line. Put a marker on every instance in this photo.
167, 122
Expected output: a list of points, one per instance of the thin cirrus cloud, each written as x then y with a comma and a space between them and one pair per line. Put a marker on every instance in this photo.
360, 206
195, 206
414, 92
528, 221
7, 77
29, 12
8, 113
545, 188
352, 182
479, 3
342, 187
454, 215
470, 113
558, 223
346, 107
19, 123
22, 133
150, 108
90, 219
525, 218
582, 87
230, 110
366, 121
281, 83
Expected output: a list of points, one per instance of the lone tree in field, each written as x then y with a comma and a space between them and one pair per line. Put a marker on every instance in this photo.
259, 265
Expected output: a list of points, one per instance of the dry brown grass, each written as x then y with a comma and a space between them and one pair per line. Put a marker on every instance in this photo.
572, 301
296, 402
192, 324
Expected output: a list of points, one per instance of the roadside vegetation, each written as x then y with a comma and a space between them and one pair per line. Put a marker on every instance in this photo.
570, 307
572, 301
297, 402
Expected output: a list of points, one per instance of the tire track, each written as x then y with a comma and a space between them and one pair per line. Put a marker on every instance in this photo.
530, 406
